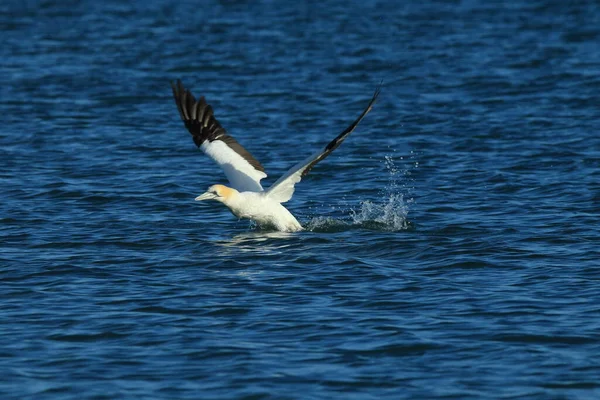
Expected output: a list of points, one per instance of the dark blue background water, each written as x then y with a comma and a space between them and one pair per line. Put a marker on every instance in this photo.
452, 242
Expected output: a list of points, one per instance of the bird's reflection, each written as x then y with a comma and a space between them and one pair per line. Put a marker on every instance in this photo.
258, 241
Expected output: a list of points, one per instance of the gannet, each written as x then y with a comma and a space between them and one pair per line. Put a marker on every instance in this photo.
245, 197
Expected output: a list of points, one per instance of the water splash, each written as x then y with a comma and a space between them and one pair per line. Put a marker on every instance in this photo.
388, 214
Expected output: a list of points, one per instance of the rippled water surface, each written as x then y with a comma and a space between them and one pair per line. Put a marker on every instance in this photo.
451, 248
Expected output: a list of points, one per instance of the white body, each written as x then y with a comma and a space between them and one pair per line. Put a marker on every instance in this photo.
265, 211
260, 207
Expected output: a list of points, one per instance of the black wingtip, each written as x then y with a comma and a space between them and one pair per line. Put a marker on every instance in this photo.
378, 90
375, 95
340, 138
198, 117
176, 97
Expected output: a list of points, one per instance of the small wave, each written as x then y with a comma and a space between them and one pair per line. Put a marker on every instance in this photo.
327, 224
389, 214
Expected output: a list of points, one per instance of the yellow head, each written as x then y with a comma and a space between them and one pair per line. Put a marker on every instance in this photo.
220, 193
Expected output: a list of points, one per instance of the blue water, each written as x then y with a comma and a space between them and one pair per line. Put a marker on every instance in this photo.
453, 239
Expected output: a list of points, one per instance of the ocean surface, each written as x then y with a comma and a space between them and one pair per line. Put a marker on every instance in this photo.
452, 248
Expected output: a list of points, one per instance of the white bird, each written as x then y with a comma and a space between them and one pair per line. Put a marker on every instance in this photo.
246, 198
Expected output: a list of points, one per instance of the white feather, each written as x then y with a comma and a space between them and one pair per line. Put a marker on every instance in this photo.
283, 190
242, 176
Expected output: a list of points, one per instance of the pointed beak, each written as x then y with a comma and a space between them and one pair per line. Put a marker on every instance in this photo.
206, 196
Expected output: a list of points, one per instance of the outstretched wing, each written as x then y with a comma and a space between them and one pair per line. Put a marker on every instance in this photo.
243, 171
283, 189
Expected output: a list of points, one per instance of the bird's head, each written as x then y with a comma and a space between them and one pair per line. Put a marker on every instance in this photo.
220, 193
